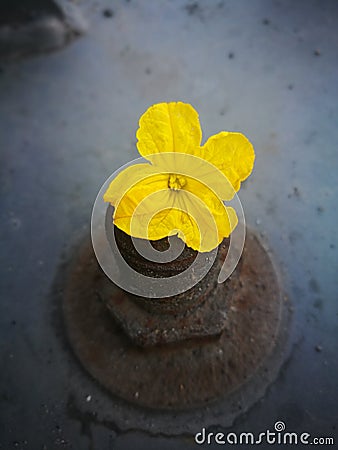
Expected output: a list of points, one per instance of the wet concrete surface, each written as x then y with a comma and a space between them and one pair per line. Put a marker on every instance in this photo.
68, 120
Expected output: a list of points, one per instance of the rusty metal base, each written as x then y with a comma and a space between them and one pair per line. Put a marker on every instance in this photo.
148, 323
193, 373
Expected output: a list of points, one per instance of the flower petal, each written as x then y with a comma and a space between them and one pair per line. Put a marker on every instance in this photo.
232, 153
212, 221
149, 210
195, 168
140, 203
146, 208
177, 221
127, 179
202, 226
169, 127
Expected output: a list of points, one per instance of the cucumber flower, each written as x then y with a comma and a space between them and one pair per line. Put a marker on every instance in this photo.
181, 188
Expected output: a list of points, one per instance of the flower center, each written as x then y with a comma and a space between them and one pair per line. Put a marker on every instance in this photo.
176, 182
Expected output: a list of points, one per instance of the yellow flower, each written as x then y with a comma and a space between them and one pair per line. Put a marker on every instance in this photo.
181, 189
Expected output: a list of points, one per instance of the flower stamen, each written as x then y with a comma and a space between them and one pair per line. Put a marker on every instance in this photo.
176, 182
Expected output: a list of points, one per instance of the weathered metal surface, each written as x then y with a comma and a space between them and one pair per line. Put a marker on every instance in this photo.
180, 303
158, 321
250, 307
191, 314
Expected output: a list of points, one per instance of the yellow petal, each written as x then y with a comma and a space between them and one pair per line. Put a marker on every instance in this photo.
196, 168
232, 219
177, 221
150, 210
213, 221
169, 127
128, 178
201, 224
232, 153
140, 203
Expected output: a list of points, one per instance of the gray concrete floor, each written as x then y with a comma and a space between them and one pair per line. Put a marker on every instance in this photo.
68, 120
